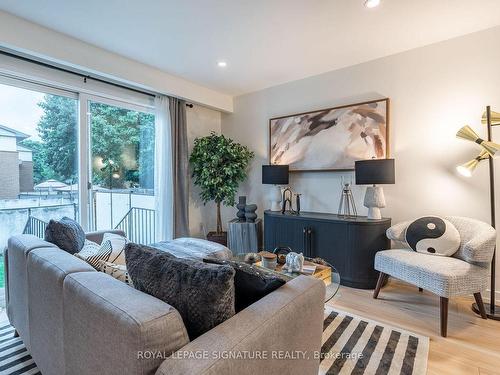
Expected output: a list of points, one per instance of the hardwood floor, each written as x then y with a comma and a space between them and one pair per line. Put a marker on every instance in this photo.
472, 346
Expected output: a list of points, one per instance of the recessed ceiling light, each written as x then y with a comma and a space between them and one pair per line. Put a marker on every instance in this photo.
372, 3
221, 64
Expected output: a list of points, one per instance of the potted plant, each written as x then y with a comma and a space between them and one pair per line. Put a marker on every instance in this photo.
219, 165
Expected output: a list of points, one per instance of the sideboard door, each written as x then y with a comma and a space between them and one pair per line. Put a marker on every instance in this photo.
329, 241
365, 241
284, 232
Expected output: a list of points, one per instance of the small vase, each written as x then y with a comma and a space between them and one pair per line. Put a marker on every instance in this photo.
242, 201
250, 214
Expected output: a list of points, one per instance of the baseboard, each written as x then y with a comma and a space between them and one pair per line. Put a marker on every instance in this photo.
486, 296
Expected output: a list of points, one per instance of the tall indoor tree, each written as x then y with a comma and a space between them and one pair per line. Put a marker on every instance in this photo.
219, 165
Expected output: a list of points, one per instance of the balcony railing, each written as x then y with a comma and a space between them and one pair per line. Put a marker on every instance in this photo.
35, 227
139, 224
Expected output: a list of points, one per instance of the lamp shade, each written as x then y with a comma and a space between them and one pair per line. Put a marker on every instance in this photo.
468, 168
375, 171
468, 134
275, 174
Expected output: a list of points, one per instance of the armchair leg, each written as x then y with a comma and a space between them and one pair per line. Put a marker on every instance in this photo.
381, 280
480, 305
444, 315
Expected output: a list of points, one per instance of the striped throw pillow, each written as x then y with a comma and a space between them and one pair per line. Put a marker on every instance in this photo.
118, 243
92, 252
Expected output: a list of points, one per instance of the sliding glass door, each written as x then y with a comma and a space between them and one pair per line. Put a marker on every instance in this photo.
75, 154
122, 140
77, 148
39, 154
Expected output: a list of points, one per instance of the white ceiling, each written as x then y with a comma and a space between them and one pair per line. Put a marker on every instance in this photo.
265, 42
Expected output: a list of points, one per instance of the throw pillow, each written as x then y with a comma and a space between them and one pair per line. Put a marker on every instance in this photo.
202, 293
118, 243
89, 248
433, 235
250, 283
66, 234
117, 271
93, 253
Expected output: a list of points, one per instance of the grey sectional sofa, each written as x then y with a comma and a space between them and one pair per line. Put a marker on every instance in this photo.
77, 321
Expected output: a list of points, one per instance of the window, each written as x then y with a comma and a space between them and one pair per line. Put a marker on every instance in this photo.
73, 147
38, 158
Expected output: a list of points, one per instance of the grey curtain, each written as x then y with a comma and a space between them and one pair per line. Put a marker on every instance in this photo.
180, 167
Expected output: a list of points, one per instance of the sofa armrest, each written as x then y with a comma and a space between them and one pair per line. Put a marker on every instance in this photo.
288, 321
19, 248
481, 247
397, 231
111, 328
97, 236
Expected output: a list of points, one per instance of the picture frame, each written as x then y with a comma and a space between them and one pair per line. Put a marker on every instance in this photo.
331, 139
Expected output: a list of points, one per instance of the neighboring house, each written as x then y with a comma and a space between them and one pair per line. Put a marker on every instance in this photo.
16, 164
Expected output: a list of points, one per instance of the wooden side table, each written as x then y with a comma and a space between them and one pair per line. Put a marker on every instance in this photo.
245, 237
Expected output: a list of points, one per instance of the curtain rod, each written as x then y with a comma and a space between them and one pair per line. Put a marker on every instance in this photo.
84, 76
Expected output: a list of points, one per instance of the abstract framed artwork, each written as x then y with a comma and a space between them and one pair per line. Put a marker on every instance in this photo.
331, 139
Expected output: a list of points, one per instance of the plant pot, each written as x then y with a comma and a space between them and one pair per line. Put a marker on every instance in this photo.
218, 237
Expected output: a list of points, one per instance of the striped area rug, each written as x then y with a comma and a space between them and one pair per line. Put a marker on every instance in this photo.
355, 345
14, 357
350, 345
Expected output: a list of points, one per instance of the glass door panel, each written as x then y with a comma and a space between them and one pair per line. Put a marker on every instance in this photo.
38, 157
122, 169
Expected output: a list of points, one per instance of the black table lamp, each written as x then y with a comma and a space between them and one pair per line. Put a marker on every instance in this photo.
374, 172
275, 175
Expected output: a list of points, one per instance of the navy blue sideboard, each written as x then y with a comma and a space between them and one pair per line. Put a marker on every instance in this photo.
348, 244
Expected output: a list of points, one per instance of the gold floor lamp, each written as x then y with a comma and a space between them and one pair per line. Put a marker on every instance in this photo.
488, 150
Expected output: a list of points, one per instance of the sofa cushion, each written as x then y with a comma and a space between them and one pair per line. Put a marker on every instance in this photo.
250, 283
66, 234
202, 293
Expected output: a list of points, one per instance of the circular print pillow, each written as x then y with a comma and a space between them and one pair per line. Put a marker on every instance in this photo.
433, 235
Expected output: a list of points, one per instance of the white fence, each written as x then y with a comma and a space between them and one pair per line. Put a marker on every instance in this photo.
108, 209
13, 220
111, 207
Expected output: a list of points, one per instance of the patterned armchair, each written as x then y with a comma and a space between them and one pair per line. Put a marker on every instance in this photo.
464, 273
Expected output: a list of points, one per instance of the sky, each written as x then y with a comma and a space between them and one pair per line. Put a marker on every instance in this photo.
19, 109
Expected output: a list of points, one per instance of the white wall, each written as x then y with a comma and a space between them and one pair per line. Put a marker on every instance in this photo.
434, 91
200, 122
29, 38
8, 143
